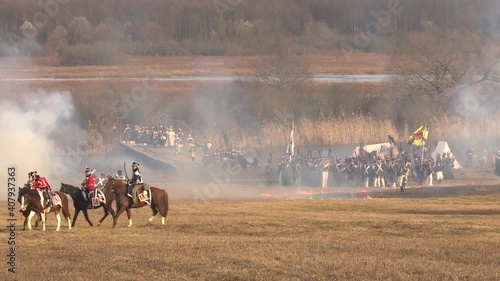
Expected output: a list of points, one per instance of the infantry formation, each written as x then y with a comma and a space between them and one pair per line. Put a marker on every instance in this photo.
373, 169
386, 166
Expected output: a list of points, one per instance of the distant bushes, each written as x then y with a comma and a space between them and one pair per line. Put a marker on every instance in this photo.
95, 54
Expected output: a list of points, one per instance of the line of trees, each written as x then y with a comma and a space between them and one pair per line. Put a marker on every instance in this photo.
173, 27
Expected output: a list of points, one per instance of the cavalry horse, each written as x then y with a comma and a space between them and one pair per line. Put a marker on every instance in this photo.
32, 199
158, 200
80, 203
27, 212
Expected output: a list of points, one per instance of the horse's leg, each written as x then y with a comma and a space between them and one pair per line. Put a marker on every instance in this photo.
106, 213
30, 216
25, 223
77, 212
129, 215
110, 209
84, 211
66, 213
43, 220
58, 217
155, 212
162, 206
119, 211
69, 222
38, 219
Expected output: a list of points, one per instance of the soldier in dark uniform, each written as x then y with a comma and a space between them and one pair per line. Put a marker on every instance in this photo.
470, 156
127, 134
136, 179
420, 170
429, 172
438, 169
367, 172
403, 176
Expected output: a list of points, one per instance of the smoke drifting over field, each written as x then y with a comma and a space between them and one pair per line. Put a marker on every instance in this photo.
28, 124
479, 102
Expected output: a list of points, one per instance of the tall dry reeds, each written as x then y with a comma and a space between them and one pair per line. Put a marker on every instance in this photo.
307, 132
351, 131
486, 128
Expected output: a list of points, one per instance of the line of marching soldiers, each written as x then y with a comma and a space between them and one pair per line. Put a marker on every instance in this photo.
361, 171
227, 157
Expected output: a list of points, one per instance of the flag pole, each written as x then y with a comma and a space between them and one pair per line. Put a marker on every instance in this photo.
423, 144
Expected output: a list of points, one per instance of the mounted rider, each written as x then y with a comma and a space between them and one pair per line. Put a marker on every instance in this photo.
41, 185
88, 185
136, 179
120, 175
101, 182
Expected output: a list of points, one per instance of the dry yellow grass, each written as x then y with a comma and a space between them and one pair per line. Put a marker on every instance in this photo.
391, 239
353, 131
186, 66
470, 130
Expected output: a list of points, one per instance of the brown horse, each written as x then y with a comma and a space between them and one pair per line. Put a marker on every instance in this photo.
159, 200
27, 211
80, 203
32, 199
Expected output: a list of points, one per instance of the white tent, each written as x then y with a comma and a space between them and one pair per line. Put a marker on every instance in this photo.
443, 147
374, 147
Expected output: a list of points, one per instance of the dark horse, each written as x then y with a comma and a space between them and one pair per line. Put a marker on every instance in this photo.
80, 203
159, 201
32, 199
27, 211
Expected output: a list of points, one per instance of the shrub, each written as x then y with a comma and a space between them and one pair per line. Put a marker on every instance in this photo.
79, 31
95, 54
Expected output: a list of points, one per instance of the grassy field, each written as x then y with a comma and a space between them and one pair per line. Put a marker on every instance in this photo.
383, 239
186, 66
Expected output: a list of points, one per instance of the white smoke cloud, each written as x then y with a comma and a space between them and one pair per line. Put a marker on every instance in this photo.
28, 124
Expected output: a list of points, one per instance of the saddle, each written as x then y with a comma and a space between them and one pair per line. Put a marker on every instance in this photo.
143, 192
96, 199
56, 200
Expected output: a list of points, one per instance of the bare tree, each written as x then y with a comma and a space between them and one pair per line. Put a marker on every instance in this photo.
436, 61
284, 70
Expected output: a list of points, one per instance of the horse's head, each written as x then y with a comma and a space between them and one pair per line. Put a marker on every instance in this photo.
22, 191
19, 195
109, 184
112, 184
65, 188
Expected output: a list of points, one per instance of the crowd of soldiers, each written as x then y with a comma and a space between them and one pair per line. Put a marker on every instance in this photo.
227, 157
374, 169
162, 136
384, 168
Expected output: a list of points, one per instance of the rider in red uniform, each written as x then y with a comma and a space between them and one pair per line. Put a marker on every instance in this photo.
41, 183
88, 185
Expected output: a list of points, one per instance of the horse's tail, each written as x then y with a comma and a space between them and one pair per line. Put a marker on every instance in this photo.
65, 207
164, 204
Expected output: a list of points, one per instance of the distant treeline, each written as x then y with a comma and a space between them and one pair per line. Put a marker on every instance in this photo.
233, 27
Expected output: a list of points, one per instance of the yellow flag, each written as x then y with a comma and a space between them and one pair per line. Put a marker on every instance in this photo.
418, 137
